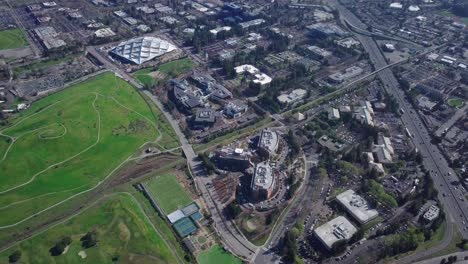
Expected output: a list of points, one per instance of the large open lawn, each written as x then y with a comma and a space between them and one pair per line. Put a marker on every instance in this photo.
123, 234
168, 193
455, 102
217, 255
150, 77
12, 38
68, 143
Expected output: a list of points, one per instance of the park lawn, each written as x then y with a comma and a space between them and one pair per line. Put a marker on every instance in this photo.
12, 39
122, 229
455, 102
170, 70
177, 67
78, 137
144, 77
217, 255
448, 13
168, 192
169, 139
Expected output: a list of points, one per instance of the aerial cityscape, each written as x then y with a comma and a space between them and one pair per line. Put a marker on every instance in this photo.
228, 132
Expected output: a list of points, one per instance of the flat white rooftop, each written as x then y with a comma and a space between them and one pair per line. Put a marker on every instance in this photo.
357, 206
336, 229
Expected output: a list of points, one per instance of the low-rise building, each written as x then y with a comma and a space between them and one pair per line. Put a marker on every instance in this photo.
431, 213
333, 113
185, 97
364, 113
318, 53
204, 117
345, 75
356, 206
235, 108
260, 78
49, 37
104, 33
251, 23
330, 144
293, 97
335, 230
326, 30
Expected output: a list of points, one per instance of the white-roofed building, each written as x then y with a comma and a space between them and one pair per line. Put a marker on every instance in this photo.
333, 113
142, 49
431, 213
104, 33
175, 216
335, 230
260, 77
293, 97
396, 5
357, 206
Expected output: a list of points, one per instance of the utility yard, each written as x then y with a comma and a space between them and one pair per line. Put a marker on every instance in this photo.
68, 143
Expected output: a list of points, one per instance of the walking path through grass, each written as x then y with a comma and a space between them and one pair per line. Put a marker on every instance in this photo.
87, 146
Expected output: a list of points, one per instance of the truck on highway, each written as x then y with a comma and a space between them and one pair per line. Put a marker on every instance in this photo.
402, 111
408, 133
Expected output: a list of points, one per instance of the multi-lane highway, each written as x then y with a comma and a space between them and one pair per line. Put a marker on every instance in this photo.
452, 199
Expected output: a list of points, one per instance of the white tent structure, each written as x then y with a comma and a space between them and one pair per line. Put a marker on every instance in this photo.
142, 49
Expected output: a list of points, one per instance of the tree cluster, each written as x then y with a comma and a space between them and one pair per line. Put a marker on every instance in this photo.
59, 248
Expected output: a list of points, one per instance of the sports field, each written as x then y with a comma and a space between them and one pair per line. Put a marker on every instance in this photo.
68, 143
217, 255
12, 38
123, 234
168, 193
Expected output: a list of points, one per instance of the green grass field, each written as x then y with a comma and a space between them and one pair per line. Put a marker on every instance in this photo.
68, 142
455, 102
12, 38
123, 232
217, 255
168, 193
169, 70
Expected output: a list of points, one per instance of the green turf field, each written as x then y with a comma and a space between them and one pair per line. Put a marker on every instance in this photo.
123, 233
144, 77
12, 38
168, 193
68, 142
455, 102
217, 255
169, 70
